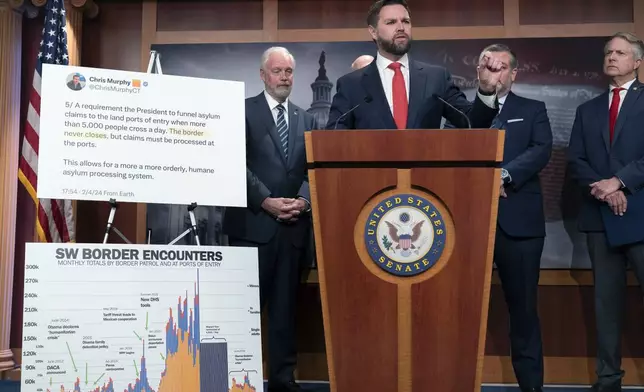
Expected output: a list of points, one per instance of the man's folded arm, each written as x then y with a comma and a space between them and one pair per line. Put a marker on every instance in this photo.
632, 176
256, 191
580, 169
536, 157
305, 194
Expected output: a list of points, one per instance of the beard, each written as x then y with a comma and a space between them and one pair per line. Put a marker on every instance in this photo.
282, 92
391, 47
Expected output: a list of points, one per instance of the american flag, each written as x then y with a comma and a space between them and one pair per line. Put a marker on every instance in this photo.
55, 220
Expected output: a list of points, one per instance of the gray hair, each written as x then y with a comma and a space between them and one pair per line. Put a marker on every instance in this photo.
636, 43
275, 49
501, 48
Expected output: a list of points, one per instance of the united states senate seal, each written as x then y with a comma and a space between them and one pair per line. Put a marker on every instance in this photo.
405, 234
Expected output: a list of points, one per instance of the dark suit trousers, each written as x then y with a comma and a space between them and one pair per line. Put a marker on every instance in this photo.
609, 271
279, 277
518, 265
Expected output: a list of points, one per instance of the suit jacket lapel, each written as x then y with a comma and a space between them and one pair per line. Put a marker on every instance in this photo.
266, 117
632, 96
373, 86
417, 80
509, 105
601, 111
293, 128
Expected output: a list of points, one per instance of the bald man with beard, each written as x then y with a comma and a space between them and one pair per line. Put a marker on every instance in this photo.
361, 62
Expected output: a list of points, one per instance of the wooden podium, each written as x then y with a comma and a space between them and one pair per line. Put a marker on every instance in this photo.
405, 222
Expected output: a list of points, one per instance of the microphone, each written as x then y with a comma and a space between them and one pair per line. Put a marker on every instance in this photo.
469, 124
367, 99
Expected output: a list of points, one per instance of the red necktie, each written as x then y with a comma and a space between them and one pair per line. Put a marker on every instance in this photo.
614, 110
399, 96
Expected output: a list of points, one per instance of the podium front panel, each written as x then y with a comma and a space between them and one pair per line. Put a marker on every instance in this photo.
405, 261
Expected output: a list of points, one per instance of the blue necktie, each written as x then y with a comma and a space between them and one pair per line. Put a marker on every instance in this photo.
496, 123
282, 129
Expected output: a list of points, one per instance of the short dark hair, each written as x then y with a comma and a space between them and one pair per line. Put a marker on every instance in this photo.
374, 11
514, 63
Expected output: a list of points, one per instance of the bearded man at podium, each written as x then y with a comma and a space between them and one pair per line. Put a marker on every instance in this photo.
395, 92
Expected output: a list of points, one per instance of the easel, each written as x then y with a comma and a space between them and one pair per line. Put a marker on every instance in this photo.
192, 228
110, 224
154, 62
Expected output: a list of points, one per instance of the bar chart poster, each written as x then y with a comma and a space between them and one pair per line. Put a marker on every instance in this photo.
141, 318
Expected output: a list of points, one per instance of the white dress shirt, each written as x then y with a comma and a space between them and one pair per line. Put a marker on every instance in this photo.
387, 77
622, 94
272, 104
502, 101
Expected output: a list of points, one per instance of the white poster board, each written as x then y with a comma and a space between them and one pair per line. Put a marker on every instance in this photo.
162, 318
139, 137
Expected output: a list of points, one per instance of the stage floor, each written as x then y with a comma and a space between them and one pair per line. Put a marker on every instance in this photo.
12, 386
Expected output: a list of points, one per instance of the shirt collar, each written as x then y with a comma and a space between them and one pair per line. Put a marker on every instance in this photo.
272, 102
501, 101
625, 86
383, 62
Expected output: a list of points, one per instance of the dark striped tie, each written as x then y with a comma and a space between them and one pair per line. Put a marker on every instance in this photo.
496, 122
282, 129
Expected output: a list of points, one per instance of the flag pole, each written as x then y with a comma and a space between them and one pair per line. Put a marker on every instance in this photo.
74, 22
54, 218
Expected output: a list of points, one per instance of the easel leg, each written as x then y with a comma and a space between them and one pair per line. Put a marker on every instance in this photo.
192, 228
193, 221
110, 220
110, 224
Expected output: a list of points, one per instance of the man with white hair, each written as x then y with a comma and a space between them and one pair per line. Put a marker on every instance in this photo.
362, 61
277, 220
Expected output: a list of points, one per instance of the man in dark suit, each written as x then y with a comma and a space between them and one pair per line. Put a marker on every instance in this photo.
606, 158
394, 92
277, 219
362, 61
521, 222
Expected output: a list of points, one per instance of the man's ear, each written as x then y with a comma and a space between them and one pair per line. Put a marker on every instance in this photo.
374, 34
